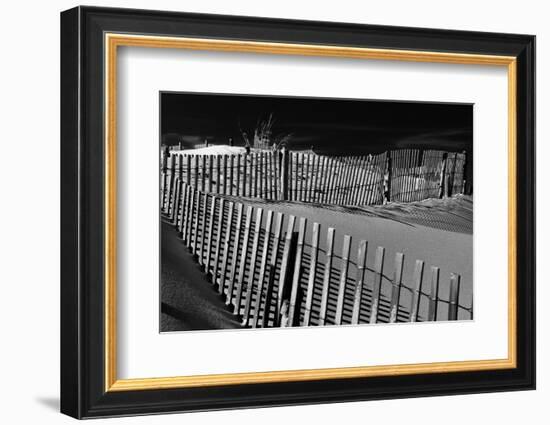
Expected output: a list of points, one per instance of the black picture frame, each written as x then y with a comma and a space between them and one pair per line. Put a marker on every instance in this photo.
83, 392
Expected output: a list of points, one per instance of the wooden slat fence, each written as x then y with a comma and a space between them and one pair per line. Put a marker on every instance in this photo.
415, 175
403, 175
279, 270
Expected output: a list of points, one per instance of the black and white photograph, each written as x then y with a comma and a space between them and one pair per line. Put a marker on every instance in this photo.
303, 211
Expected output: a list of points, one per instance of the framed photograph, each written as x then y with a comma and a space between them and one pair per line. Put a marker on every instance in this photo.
261, 212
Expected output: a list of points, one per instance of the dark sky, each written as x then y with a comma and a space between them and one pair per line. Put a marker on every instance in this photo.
329, 125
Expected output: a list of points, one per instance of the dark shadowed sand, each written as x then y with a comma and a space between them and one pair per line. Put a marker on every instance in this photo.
188, 301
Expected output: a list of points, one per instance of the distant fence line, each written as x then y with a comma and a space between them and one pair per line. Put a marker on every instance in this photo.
274, 270
399, 175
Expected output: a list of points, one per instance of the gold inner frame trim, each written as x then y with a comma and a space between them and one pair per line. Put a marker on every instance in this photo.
113, 41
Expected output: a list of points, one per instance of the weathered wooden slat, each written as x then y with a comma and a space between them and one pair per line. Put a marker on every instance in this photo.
188, 169
355, 181
341, 180
191, 221
343, 280
238, 176
235, 256
269, 174
270, 294
228, 226
285, 173
269, 290
181, 216
367, 181
265, 190
453, 296
218, 175
323, 181
176, 203
210, 170
244, 177
225, 176
283, 276
163, 183
326, 277
253, 260
292, 316
171, 175
434, 294
204, 215
377, 283
330, 170
210, 234
299, 176
312, 272
347, 180
244, 257
255, 168
354, 165
263, 268
203, 172
185, 219
396, 287
250, 176
370, 181
360, 279
196, 171
180, 167
417, 282
275, 175
230, 181
173, 199
314, 177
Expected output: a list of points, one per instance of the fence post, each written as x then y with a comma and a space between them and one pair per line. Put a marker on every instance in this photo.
326, 277
188, 169
432, 306
343, 280
219, 226
359, 281
171, 183
442, 177
415, 298
226, 246
388, 178
244, 255
268, 294
190, 221
288, 252
210, 234
263, 266
250, 283
185, 214
164, 170
238, 176
235, 256
210, 169
284, 174
453, 296
294, 295
272, 269
377, 283
312, 272
396, 287
465, 188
